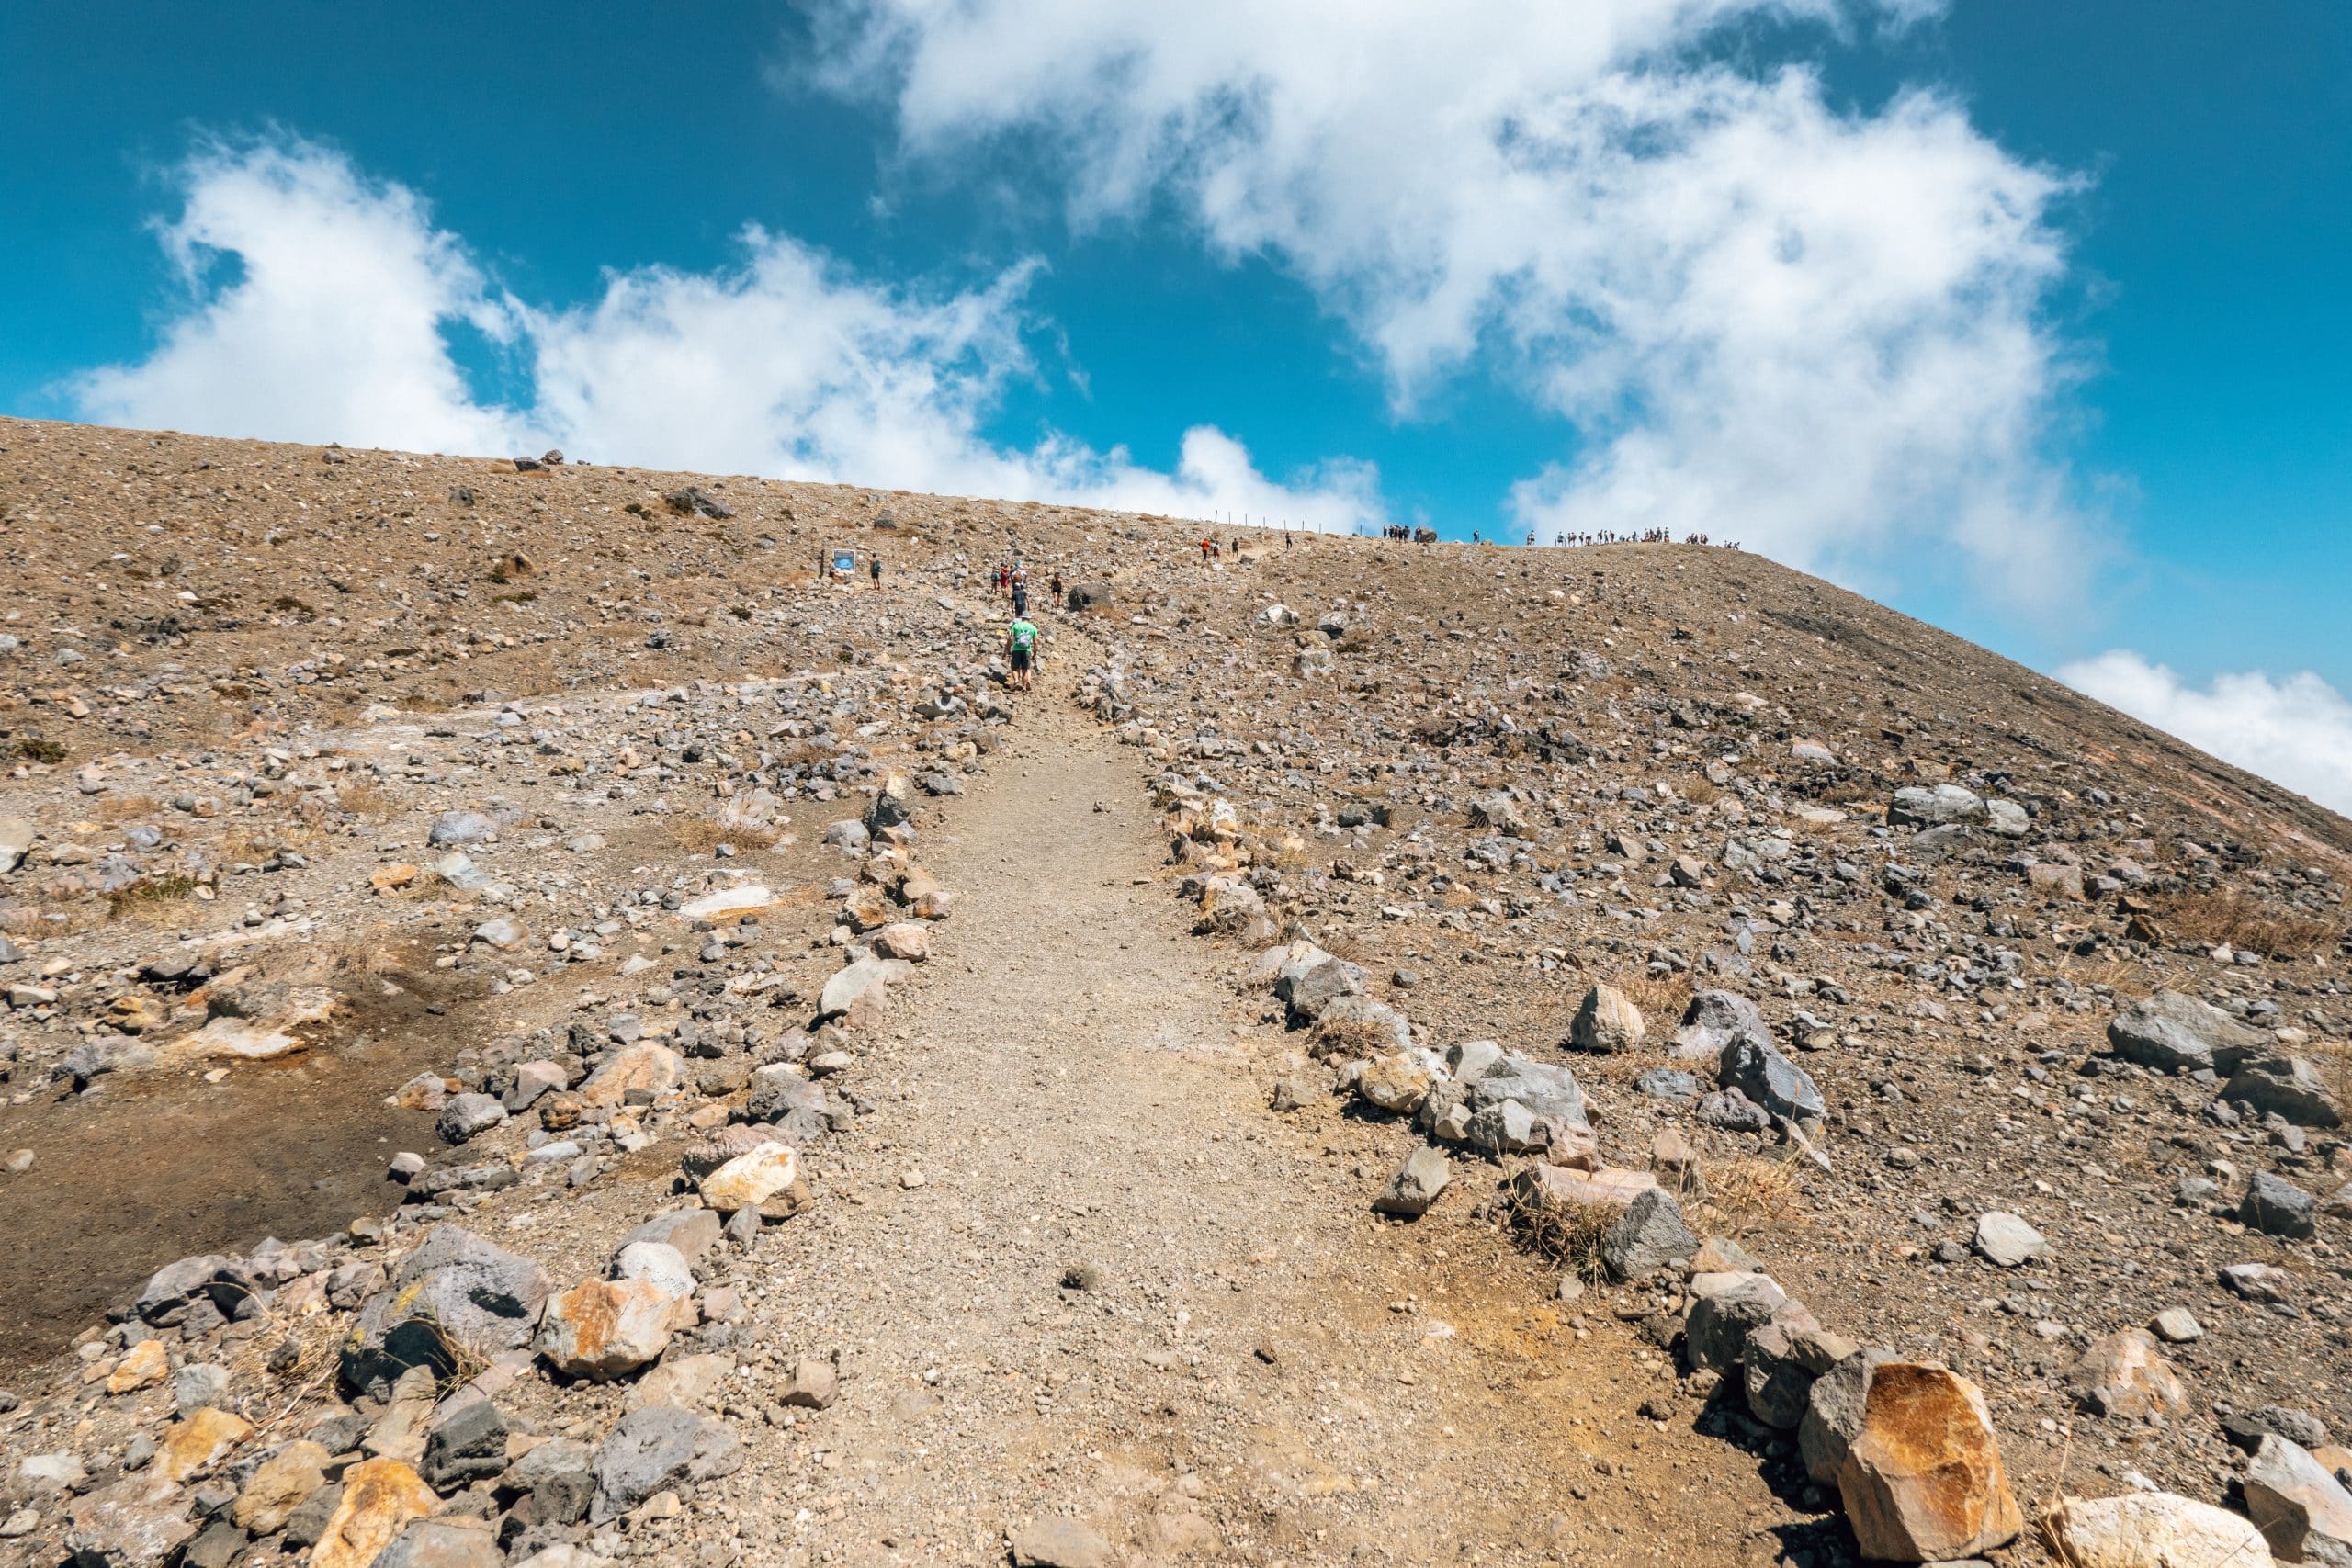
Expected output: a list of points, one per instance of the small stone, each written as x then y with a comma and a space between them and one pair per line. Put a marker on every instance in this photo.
278, 1486
813, 1384
1415, 1185
2177, 1325
2277, 1207
144, 1365
2006, 1241
1607, 1021
1059, 1543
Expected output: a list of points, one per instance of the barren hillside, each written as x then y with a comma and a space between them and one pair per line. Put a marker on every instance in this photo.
1389, 1054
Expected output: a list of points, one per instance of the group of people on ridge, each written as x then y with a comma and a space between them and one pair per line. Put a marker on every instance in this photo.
1012, 579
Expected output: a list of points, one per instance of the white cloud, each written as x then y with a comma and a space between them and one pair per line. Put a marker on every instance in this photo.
1818, 331
2296, 731
319, 300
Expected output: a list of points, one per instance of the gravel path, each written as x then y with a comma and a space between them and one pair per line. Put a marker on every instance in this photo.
1086, 1272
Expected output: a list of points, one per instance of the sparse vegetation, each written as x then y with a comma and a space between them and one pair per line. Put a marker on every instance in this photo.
2231, 915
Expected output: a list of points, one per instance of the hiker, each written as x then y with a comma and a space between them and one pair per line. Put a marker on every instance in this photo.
874, 568
1056, 588
1020, 599
1207, 547
1021, 652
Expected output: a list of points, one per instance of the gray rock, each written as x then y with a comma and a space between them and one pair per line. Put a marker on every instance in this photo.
1832, 1414
1361, 1017
15, 838
2278, 1084
2277, 1207
850, 834
2006, 1241
311, 1515
1507, 1128
1669, 1084
460, 827
1606, 1021
443, 1541
466, 1442
2301, 1509
1734, 1112
466, 1114
1933, 808
1307, 992
559, 1478
1755, 1067
2007, 819
2177, 1033
212, 1277
1545, 1090
1649, 1234
200, 1385
454, 1287
693, 1232
1415, 1185
1724, 1310
1781, 1361
655, 1448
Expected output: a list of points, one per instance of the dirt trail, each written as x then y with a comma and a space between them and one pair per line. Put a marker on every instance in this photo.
1260, 1363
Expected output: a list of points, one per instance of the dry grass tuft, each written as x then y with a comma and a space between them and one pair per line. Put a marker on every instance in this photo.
112, 810
1756, 1190
38, 749
701, 835
1566, 1233
1663, 999
1699, 791
367, 798
1350, 1037
2239, 918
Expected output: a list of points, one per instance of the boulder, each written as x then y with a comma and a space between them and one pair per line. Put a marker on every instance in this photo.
1935, 806
2151, 1529
643, 1073
766, 1180
1307, 988
466, 1441
278, 1486
456, 1541
2277, 1084
1649, 1234
1922, 1481
1397, 1084
1724, 1310
654, 1448
455, 1289
125, 1524
1832, 1414
2177, 1033
1783, 1360
858, 993
195, 1445
2276, 1206
1606, 1021
2125, 1374
601, 1329
379, 1497
1755, 1067
1415, 1184
2302, 1511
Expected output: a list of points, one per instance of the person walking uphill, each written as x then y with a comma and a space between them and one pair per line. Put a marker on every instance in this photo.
1020, 653
874, 567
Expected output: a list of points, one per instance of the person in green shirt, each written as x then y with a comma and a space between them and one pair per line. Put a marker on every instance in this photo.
1021, 647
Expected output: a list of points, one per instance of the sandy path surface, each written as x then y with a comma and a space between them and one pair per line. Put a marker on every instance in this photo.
1255, 1369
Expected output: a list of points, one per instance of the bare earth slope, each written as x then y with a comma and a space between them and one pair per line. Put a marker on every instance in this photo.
582, 842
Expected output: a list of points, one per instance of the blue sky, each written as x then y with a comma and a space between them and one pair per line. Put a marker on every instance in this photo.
2028, 319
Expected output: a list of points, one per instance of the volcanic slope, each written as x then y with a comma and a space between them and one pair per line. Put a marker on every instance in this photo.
1046, 1053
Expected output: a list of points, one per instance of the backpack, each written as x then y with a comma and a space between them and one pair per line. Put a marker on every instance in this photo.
1025, 636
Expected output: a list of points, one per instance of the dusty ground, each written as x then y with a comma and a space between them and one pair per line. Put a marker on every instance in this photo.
240, 683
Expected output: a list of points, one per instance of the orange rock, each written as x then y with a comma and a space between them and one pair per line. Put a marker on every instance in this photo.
1923, 1481
144, 1365
197, 1444
379, 1497
387, 878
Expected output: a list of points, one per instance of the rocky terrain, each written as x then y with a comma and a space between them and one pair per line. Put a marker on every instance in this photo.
542, 1026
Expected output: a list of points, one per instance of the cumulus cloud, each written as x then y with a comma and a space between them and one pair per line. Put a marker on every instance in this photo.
318, 304
1822, 332
2296, 731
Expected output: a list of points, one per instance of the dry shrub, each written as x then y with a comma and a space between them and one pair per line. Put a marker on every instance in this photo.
1756, 1190
1568, 1234
38, 749
367, 798
1660, 997
1347, 1037
117, 809
701, 835
154, 901
2239, 918
1849, 791
1699, 791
